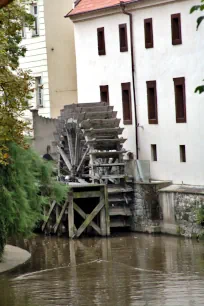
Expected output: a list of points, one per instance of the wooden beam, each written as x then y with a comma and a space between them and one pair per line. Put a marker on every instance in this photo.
71, 216
103, 214
60, 217
84, 216
89, 219
70, 144
82, 160
107, 211
48, 216
64, 156
86, 194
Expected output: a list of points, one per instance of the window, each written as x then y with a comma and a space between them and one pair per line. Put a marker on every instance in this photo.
101, 41
154, 152
180, 99
39, 89
104, 92
123, 37
148, 31
34, 12
127, 104
176, 29
152, 102
182, 153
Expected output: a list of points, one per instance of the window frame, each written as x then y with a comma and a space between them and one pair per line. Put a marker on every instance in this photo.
104, 88
152, 84
154, 156
123, 48
178, 82
176, 41
150, 44
127, 86
35, 31
39, 91
182, 149
101, 51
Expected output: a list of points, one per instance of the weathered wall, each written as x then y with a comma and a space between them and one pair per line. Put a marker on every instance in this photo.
60, 55
43, 129
161, 63
146, 209
160, 207
180, 213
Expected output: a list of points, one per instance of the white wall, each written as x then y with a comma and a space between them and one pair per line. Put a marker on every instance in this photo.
36, 61
162, 63
112, 69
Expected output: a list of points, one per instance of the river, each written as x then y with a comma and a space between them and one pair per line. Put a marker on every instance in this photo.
124, 270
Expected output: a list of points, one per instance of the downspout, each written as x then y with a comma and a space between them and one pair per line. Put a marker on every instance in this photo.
122, 5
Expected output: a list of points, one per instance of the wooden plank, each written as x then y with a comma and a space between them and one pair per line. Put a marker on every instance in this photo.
103, 214
110, 165
106, 154
82, 160
107, 211
120, 211
70, 144
102, 131
48, 216
71, 225
84, 216
98, 123
98, 115
86, 194
107, 141
60, 217
89, 219
64, 157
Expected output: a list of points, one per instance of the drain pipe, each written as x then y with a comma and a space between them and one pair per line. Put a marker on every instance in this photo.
122, 5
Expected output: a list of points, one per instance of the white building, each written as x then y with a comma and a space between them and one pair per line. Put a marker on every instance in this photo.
50, 57
167, 54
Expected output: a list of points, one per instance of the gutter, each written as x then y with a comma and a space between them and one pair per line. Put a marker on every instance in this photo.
122, 5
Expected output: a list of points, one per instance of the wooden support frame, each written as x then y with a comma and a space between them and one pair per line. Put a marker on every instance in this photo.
101, 209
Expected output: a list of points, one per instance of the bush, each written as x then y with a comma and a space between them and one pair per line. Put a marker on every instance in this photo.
26, 185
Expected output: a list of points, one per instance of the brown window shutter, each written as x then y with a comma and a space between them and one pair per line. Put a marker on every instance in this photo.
152, 102
101, 41
180, 99
104, 93
126, 102
148, 31
182, 153
176, 29
123, 37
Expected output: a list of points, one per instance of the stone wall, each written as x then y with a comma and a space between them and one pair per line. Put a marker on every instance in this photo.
181, 209
145, 208
160, 207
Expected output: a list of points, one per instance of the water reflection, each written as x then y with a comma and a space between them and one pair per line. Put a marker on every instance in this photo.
133, 270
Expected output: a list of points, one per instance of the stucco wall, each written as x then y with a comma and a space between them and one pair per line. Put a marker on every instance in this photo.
60, 55
162, 63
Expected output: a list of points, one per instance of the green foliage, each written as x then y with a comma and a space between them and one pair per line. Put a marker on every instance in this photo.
200, 216
199, 89
15, 84
27, 184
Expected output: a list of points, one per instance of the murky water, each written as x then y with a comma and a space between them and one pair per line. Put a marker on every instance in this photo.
128, 270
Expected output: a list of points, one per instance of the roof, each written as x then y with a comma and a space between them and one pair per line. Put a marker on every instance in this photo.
85, 6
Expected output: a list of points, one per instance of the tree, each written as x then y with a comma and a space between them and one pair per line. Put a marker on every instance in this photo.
199, 89
26, 185
4, 3
15, 84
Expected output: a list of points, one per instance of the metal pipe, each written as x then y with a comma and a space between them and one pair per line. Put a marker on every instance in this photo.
122, 5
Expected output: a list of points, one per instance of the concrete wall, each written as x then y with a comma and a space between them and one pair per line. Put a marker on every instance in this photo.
161, 63
60, 55
43, 132
36, 61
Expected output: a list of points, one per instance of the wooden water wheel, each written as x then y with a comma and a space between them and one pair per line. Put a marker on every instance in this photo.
90, 150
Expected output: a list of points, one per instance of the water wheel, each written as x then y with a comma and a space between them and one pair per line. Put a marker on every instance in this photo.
90, 149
